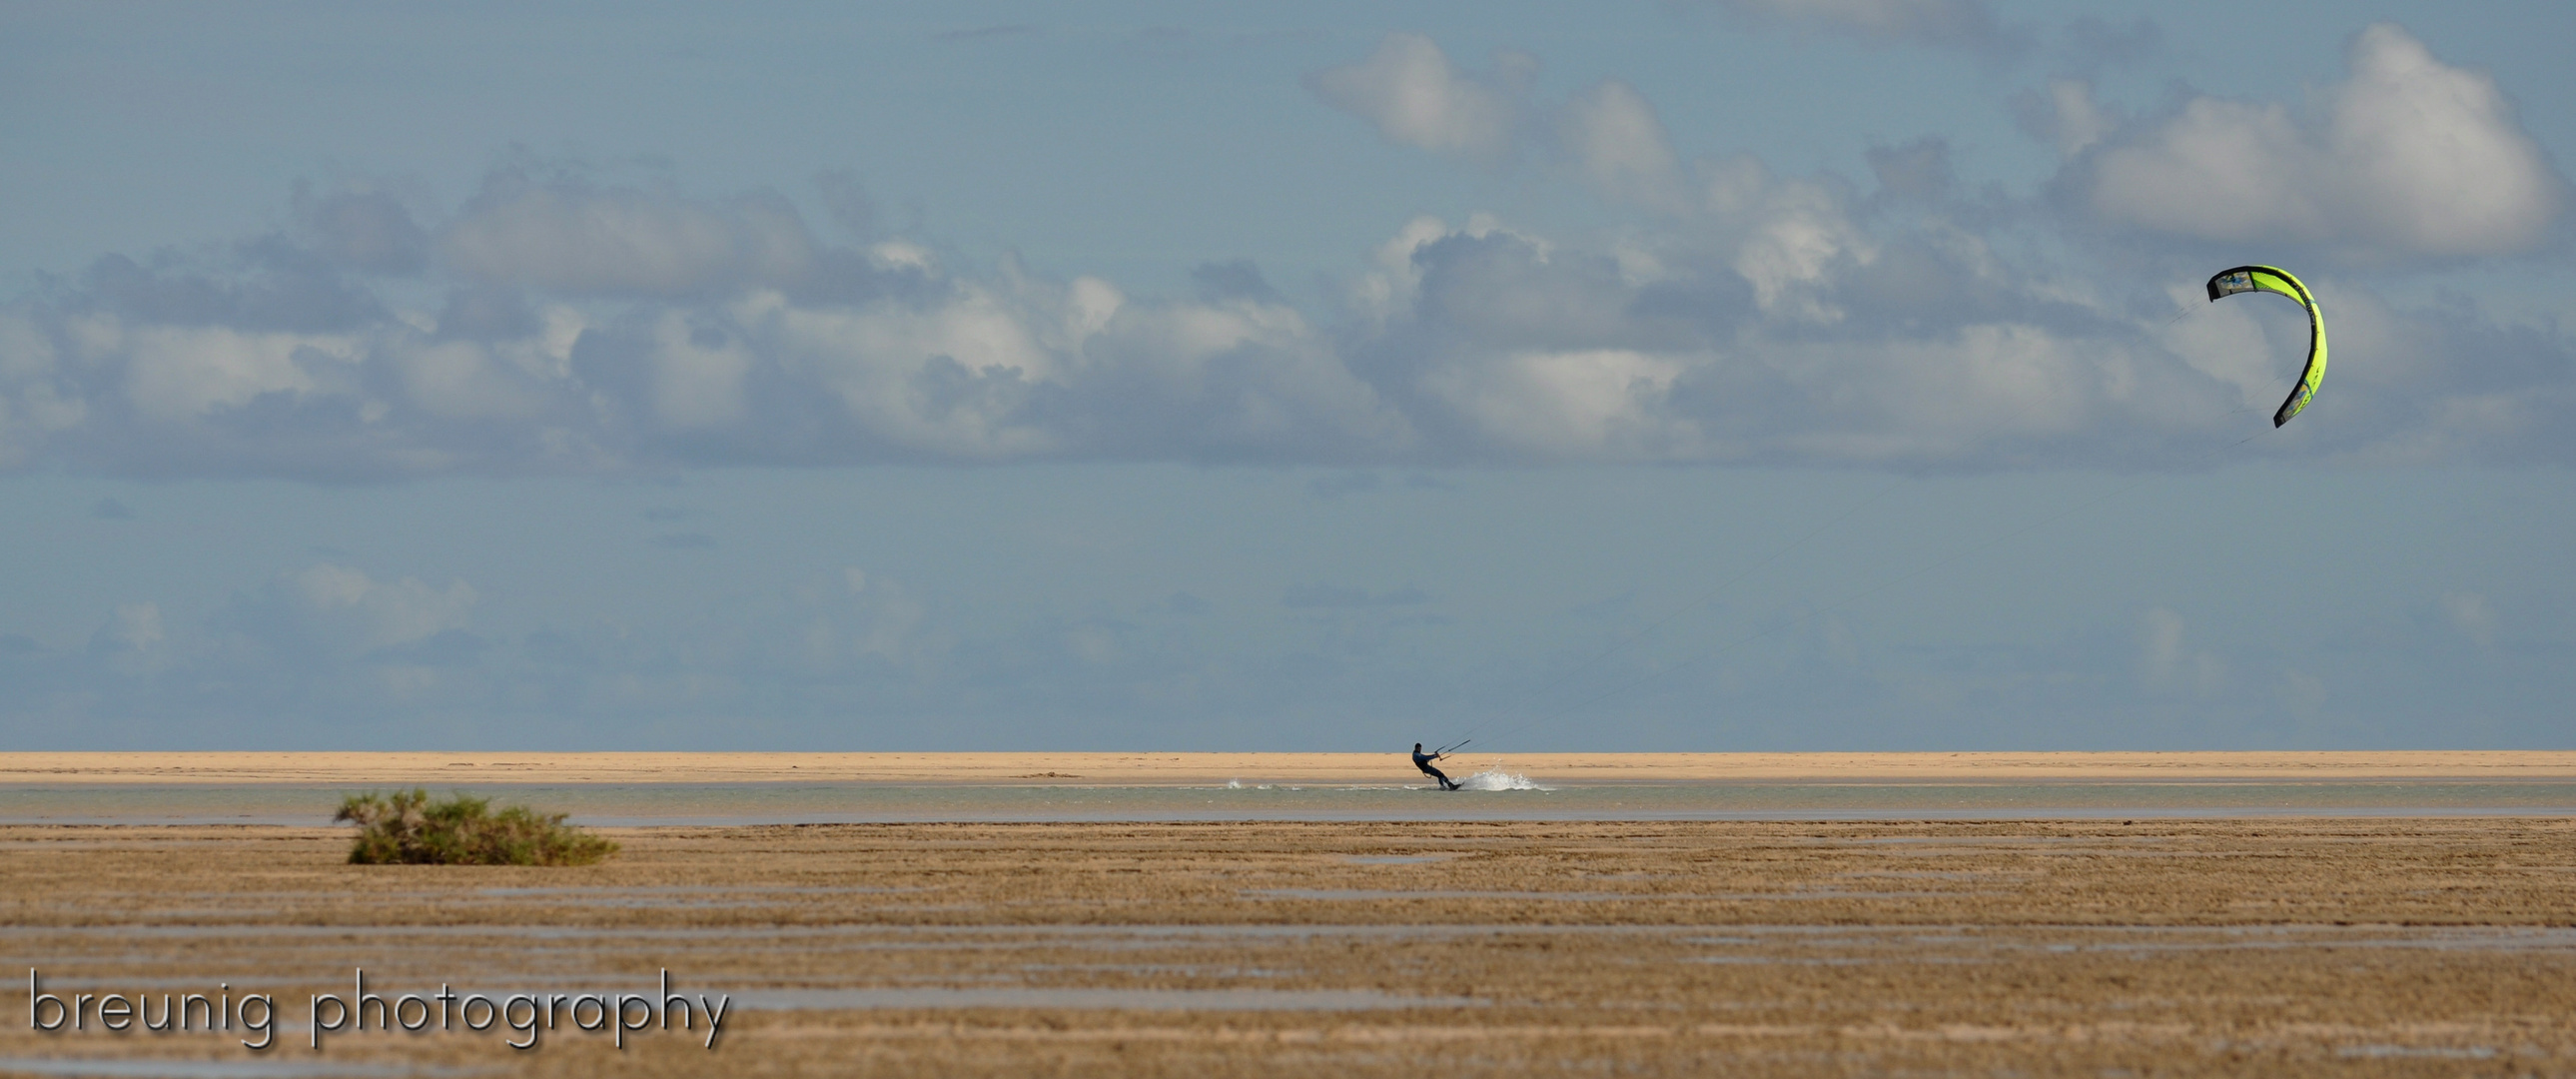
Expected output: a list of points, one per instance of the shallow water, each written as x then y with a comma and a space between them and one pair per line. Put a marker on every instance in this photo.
1490, 798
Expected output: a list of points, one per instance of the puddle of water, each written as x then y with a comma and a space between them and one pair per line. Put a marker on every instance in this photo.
2420, 1052
1141, 1000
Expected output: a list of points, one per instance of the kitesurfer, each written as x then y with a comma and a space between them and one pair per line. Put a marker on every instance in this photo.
1423, 761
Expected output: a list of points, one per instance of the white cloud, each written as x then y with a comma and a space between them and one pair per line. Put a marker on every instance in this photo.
1620, 147
36, 402
377, 614
179, 372
1795, 230
1416, 97
1393, 281
137, 626
465, 380
2303, 694
947, 379
697, 374
2068, 116
1747, 316
2166, 662
2412, 158
2473, 615
132, 641
1772, 319
1588, 404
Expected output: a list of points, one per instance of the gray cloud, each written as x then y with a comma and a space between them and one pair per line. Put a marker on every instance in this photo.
848, 203
362, 230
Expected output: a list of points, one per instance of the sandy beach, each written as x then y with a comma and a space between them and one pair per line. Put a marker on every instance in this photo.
1158, 769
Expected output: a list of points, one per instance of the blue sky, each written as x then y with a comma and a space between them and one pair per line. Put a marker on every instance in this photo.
1747, 374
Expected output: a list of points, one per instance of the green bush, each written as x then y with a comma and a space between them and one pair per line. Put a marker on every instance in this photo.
407, 829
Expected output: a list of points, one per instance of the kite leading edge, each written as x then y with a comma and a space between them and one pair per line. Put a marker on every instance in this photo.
2268, 279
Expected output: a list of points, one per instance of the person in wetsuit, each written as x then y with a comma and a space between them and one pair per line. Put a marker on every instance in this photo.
1423, 761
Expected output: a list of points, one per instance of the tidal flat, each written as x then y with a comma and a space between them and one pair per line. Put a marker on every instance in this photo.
2376, 945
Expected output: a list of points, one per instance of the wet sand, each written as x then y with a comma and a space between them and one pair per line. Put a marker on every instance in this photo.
2225, 947
1194, 769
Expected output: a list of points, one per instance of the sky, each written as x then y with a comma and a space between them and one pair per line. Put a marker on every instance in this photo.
1708, 375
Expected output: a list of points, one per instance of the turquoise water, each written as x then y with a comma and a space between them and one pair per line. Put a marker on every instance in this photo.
614, 804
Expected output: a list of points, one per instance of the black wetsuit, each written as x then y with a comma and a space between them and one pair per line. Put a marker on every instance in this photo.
1423, 761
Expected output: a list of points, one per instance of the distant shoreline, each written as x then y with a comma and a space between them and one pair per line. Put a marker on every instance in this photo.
1192, 769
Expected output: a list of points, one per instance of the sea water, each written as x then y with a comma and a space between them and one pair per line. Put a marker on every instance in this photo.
1484, 796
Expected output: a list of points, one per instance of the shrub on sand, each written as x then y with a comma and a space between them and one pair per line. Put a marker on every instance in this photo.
408, 829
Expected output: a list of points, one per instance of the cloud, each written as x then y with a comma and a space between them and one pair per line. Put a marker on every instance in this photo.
2303, 694
346, 603
2066, 115
1620, 147
563, 323
132, 643
847, 202
2166, 662
1953, 24
1416, 97
136, 628
1768, 319
2089, 44
363, 230
1236, 280
2472, 615
329, 623
2411, 158
567, 236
